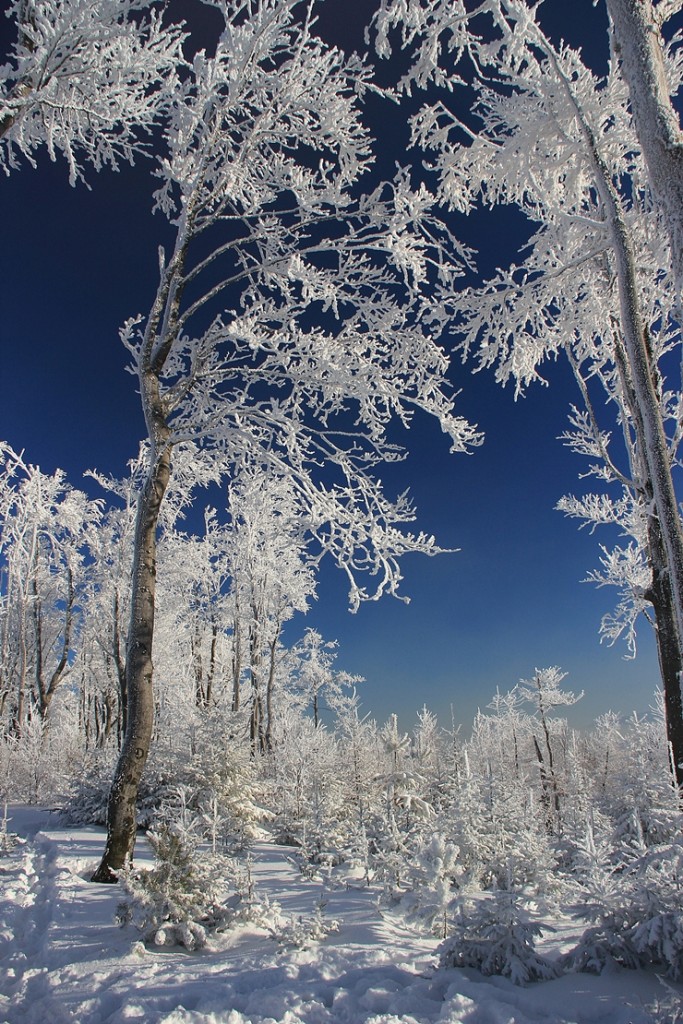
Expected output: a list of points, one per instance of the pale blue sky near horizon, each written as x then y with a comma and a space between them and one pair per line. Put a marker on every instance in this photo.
511, 599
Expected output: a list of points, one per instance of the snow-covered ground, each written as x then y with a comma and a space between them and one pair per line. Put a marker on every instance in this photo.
64, 959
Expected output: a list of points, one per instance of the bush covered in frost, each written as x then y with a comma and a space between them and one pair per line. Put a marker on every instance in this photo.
184, 897
494, 934
636, 915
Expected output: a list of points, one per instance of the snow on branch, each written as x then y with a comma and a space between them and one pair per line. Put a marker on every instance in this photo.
85, 79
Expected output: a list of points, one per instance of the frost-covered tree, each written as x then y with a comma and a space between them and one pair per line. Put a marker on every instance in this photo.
574, 151
46, 528
496, 934
313, 677
272, 577
194, 570
85, 78
544, 693
361, 769
307, 783
286, 327
646, 68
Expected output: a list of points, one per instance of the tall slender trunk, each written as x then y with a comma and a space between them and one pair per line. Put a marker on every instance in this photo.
120, 664
121, 811
236, 657
648, 422
46, 690
668, 647
157, 343
270, 688
657, 124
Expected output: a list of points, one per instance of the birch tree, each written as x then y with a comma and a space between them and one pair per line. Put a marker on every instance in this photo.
315, 681
45, 534
86, 79
645, 63
596, 281
287, 327
273, 576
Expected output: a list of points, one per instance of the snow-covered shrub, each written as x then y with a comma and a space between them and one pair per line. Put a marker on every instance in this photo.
494, 933
192, 893
226, 792
184, 897
37, 766
636, 912
434, 874
86, 803
8, 840
658, 907
306, 783
302, 931
637, 791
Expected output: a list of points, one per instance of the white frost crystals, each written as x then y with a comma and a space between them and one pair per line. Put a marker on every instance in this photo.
87, 79
596, 279
291, 330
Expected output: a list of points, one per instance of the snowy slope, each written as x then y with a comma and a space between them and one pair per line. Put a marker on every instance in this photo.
63, 958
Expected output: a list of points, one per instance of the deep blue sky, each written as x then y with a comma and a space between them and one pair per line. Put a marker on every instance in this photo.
76, 263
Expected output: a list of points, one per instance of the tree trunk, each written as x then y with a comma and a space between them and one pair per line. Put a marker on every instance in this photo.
46, 691
120, 664
668, 648
647, 419
236, 658
270, 688
121, 810
660, 593
639, 46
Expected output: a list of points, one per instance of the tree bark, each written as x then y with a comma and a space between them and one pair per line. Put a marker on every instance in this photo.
647, 419
639, 46
668, 648
120, 664
270, 688
46, 691
660, 593
121, 810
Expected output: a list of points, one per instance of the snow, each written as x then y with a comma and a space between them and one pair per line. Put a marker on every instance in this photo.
64, 959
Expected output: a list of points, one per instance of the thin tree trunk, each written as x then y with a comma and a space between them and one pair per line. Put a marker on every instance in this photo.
212, 661
236, 658
660, 593
639, 46
157, 343
120, 664
47, 692
200, 700
121, 811
668, 648
270, 688
647, 419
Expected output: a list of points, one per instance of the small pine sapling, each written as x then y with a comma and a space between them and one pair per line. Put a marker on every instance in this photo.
302, 932
434, 875
494, 934
658, 936
184, 897
635, 912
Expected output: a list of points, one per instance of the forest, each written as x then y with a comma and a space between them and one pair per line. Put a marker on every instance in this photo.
311, 303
